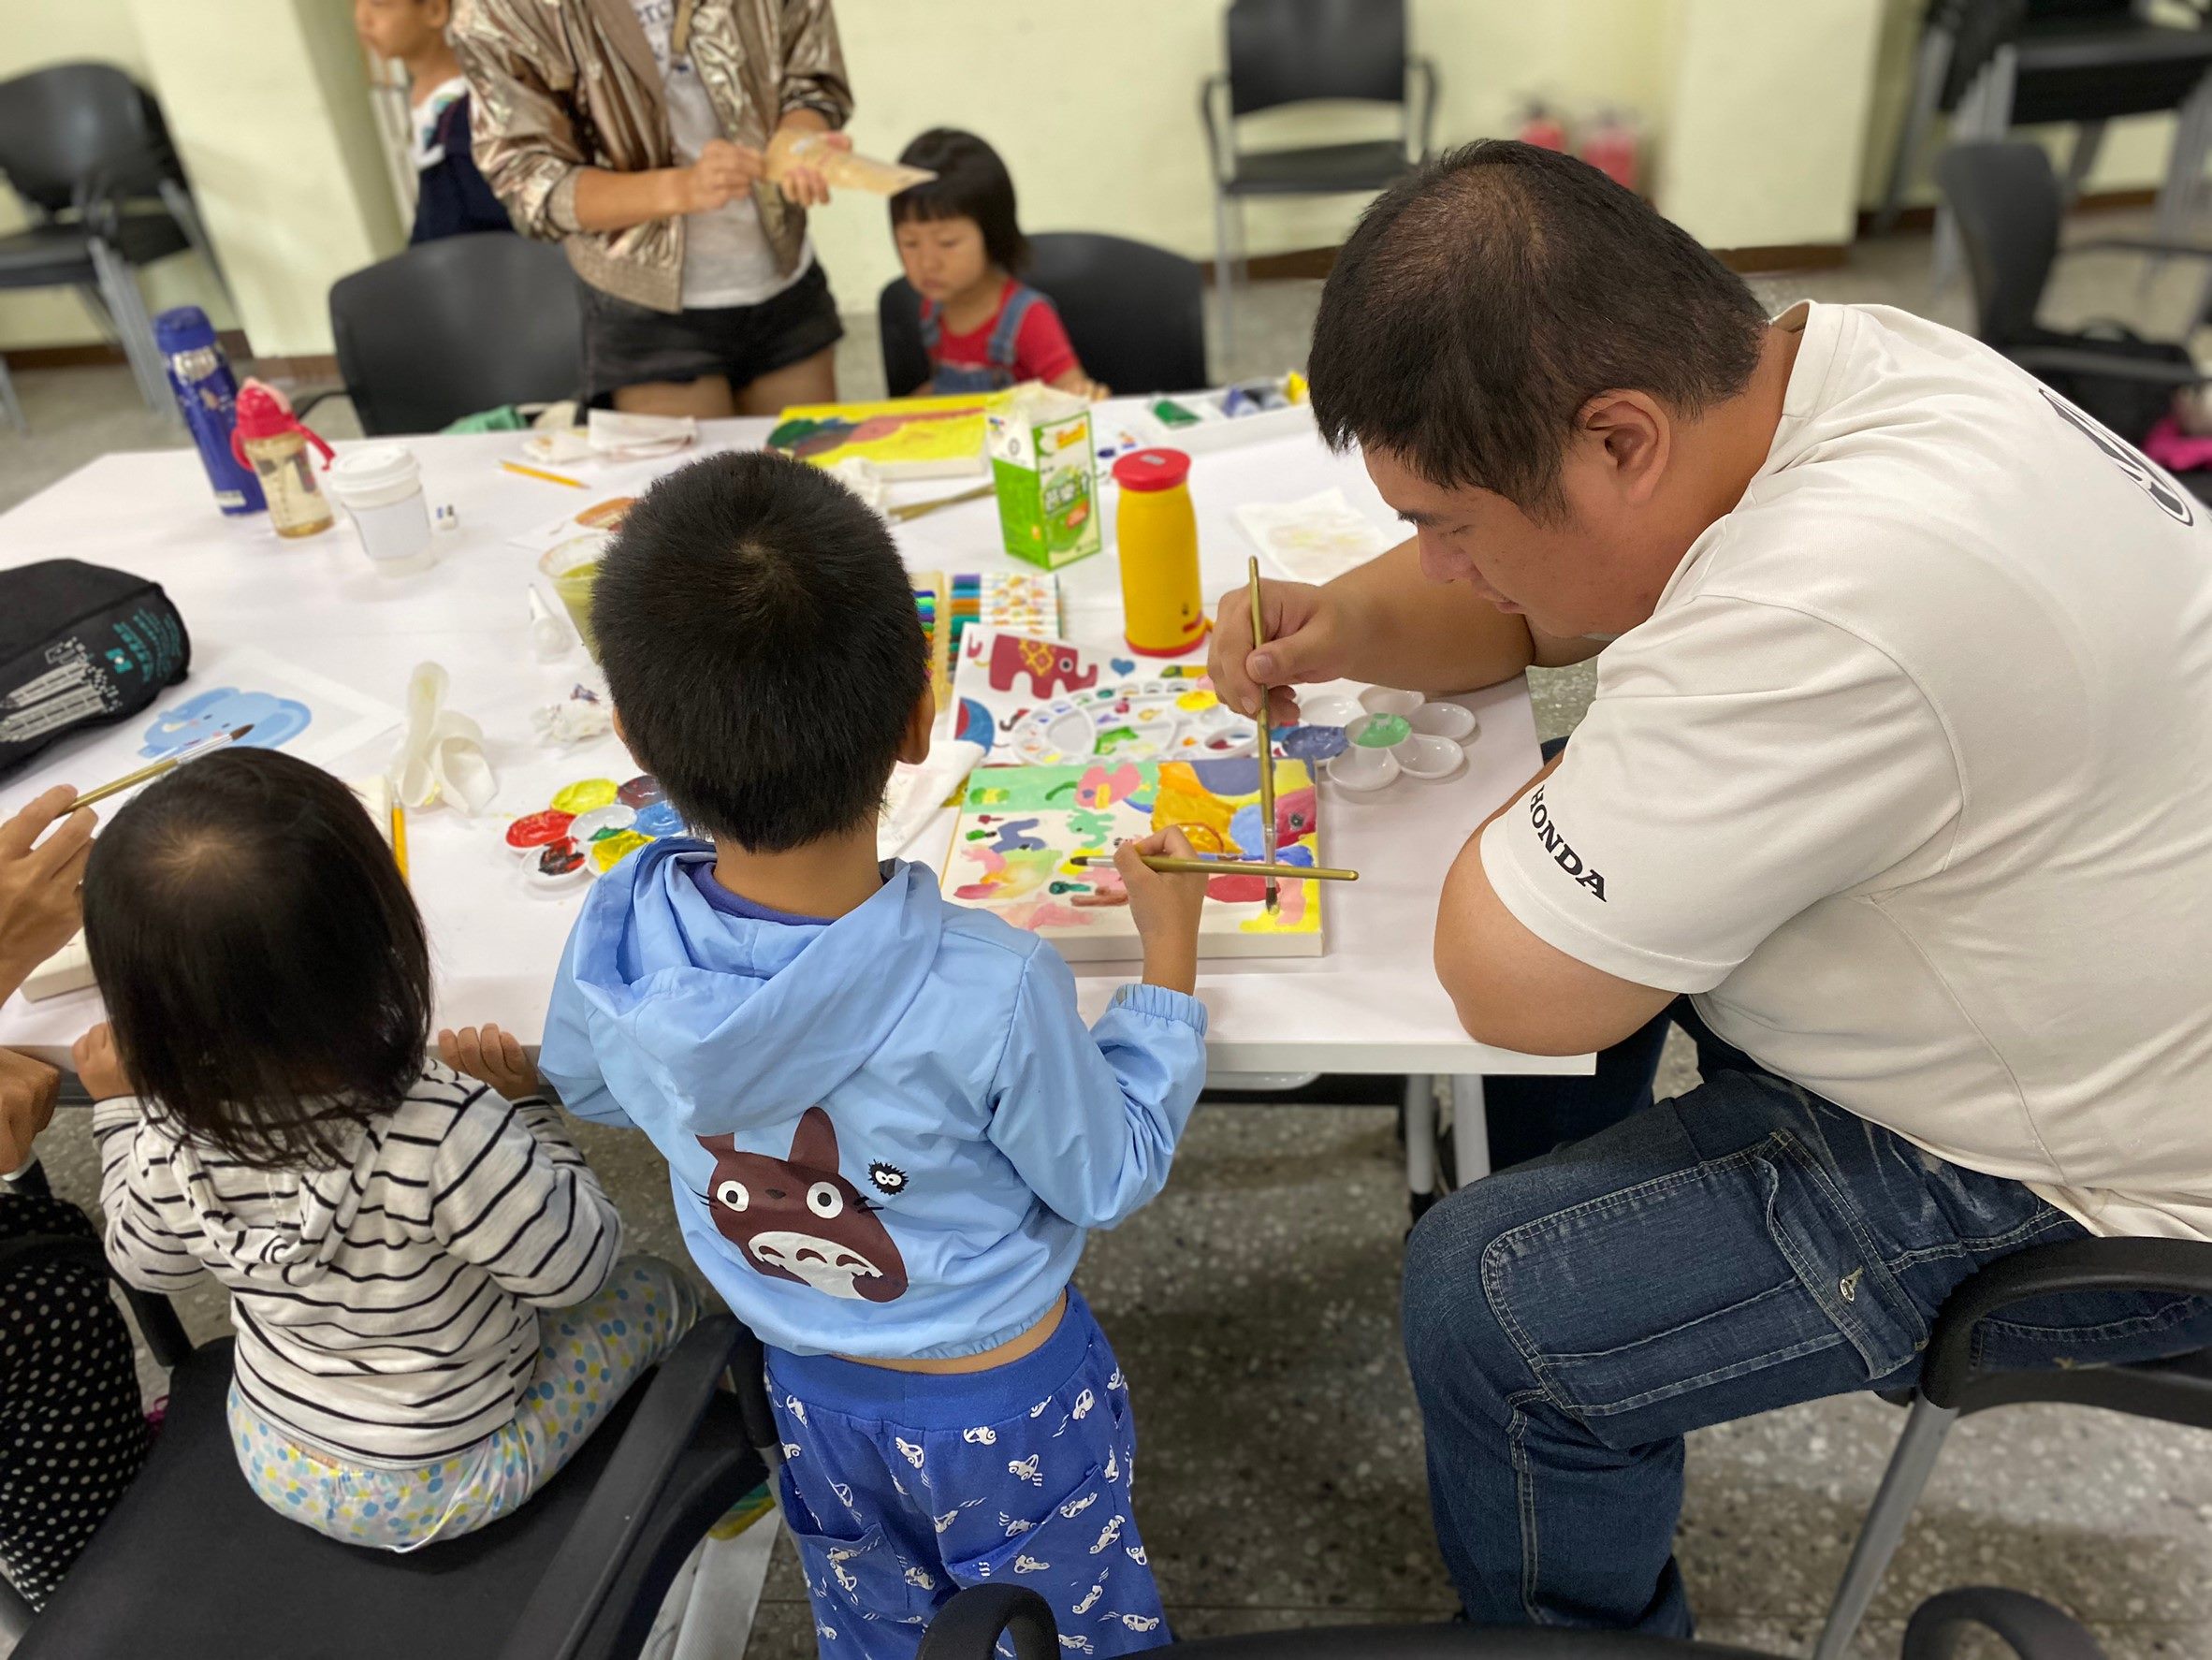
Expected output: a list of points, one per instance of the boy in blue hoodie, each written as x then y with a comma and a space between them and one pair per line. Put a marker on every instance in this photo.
887, 1127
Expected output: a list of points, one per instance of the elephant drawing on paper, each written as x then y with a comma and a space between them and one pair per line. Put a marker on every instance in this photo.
275, 721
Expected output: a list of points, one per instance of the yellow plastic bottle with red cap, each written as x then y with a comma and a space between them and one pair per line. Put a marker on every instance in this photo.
1164, 608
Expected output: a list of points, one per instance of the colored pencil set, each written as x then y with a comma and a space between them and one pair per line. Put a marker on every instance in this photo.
1026, 602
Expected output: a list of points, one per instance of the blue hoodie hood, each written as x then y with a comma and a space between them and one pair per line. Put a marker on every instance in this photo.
886, 1133
725, 1021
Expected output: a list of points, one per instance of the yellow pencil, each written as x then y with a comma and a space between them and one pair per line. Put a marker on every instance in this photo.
399, 838
1267, 745
1171, 865
574, 484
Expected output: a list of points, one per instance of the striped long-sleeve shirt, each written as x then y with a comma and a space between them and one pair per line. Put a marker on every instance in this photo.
385, 1309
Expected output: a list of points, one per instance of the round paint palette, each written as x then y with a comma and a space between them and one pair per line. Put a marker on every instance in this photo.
1153, 719
592, 826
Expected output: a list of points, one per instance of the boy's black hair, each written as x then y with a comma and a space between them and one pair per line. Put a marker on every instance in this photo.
264, 966
972, 183
759, 635
1483, 299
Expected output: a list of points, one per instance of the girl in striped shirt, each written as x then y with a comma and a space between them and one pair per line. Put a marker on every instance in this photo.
431, 1306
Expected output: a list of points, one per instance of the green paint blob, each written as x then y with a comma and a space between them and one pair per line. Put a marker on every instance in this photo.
1382, 731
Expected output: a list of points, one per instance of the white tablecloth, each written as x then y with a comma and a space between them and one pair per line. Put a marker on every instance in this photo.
1370, 1004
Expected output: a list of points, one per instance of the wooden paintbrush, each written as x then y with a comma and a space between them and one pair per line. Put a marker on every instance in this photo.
130, 779
1267, 747
1172, 866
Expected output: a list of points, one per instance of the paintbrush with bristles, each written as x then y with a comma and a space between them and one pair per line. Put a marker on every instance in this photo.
144, 774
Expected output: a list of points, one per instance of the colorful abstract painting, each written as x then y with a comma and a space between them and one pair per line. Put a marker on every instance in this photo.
1021, 827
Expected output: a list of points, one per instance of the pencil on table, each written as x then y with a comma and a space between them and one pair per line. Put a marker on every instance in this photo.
399, 838
574, 484
1267, 745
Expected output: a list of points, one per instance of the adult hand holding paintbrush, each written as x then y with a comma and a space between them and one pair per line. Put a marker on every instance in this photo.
39, 909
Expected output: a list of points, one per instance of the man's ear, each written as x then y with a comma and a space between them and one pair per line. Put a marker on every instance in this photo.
913, 747
1636, 435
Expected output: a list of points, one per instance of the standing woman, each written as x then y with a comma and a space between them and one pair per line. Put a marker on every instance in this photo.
634, 133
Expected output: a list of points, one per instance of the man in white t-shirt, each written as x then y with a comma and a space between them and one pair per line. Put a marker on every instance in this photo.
1899, 764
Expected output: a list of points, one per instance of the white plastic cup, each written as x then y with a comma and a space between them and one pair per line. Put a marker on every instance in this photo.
380, 489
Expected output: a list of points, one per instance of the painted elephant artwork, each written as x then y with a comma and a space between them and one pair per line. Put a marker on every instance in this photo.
275, 721
1051, 665
796, 1219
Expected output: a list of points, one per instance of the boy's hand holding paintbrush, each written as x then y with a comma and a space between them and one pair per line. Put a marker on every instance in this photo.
1165, 909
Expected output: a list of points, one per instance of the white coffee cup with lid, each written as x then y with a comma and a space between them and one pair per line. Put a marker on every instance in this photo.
380, 487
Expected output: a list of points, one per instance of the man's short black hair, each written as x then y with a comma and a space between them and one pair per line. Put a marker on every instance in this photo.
972, 183
760, 637
1484, 298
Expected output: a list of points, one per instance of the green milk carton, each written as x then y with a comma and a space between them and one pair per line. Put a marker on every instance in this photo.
1046, 474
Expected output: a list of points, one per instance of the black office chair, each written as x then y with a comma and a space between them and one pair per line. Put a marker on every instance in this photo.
2177, 1390
2008, 207
1135, 313
1281, 53
85, 148
970, 1626
1994, 65
192, 1566
455, 326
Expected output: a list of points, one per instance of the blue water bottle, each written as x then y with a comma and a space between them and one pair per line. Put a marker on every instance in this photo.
207, 392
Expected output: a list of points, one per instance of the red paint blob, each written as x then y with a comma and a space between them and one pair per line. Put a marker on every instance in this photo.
1237, 890
538, 829
640, 791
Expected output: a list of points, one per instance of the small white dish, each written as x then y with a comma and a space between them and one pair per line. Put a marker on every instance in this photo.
1387, 700
1445, 719
1426, 756
1331, 709
1364, 769
601, 821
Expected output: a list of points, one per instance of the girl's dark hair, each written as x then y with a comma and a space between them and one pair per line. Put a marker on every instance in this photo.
972, 183
263, 963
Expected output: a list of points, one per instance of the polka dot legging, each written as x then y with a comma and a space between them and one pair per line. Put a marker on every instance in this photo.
588, 1356
72, 1428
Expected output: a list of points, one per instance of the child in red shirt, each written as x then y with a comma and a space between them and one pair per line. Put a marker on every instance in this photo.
960, 243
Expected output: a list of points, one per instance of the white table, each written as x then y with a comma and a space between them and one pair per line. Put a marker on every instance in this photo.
1372, 1003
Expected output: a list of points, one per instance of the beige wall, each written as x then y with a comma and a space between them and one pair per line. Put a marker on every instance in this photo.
1759, 116
1096, 112
1766, 123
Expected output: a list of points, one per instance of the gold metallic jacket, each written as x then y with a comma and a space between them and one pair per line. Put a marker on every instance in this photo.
559, 85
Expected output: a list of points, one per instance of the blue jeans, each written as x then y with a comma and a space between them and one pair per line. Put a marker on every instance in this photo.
1745, 1247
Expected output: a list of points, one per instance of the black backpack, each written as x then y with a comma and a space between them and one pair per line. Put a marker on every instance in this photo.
80, 645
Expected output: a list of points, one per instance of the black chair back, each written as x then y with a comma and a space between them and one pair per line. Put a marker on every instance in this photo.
1135, 313
80, 129
1290, 52
455, 326
2007, 202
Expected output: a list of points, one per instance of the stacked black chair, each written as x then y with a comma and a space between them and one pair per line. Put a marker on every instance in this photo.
85, 148
1284, 52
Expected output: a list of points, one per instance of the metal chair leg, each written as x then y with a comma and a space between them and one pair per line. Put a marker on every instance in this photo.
118, 284
1420, 1142
1903, 1482
1928, 87
1223, 284
1470, 1132
2089, 141
186, 211
12, 409
1986, 113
